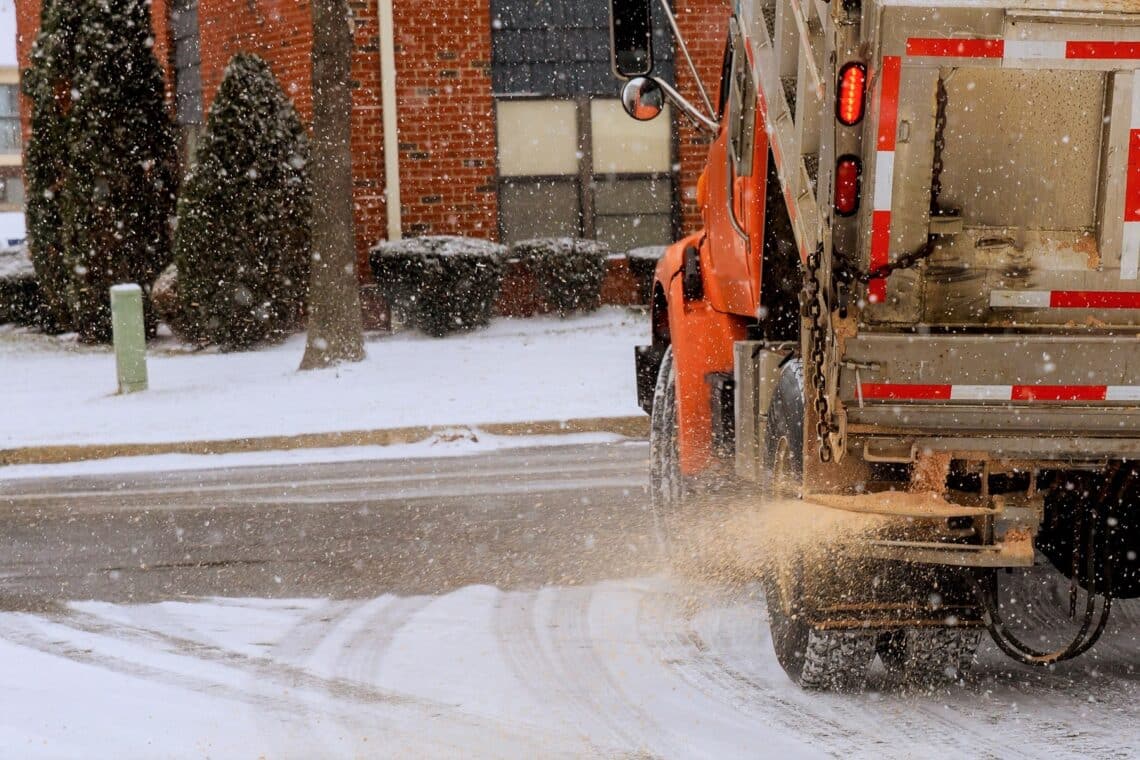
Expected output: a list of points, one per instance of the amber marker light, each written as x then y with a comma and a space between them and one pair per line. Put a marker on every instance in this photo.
852, 94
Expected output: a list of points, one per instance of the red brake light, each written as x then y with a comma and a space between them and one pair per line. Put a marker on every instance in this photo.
847, 173
852, 90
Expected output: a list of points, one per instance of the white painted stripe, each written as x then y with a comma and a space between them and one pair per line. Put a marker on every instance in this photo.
1020, 299
1130, 253
1135, 101
981, 392
1123, 393
884, 179
1034, 50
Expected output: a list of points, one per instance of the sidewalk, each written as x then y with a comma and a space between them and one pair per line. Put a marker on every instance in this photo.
533, 376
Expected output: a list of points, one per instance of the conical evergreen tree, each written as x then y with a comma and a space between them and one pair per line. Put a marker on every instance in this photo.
102, 160
48, 85
243, 243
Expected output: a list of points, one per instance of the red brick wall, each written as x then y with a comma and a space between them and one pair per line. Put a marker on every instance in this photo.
447, 120
704, 24
277, 30
367, 134
446, 111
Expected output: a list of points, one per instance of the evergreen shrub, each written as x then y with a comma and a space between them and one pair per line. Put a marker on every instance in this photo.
243, 242
568, 271
20, 300
642, 264
101, 161
440, 284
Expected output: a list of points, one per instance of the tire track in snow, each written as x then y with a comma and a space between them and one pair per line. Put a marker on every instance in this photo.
285, 692
523, 623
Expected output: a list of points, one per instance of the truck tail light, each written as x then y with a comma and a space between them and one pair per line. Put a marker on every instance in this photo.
847, 173
852, 93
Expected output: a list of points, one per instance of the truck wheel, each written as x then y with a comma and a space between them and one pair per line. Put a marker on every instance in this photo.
814, 658
928, 655
666, 485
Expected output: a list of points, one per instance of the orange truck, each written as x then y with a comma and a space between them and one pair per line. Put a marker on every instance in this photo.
915, 300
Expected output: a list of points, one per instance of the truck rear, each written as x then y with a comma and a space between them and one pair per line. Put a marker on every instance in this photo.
915, 297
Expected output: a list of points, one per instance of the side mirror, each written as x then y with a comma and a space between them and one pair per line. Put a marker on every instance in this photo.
631, 37
643, 99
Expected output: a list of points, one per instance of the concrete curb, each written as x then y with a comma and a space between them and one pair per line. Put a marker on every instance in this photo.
632, 427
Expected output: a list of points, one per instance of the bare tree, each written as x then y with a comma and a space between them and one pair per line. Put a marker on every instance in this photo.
336, 332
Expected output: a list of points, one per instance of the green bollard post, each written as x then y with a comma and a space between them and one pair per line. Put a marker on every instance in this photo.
130, 337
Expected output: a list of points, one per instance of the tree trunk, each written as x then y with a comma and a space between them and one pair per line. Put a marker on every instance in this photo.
336, 332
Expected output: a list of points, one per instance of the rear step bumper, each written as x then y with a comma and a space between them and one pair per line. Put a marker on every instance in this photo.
1069, 392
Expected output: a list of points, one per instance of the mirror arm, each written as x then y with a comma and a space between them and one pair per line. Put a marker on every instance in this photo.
704, 123
685, 51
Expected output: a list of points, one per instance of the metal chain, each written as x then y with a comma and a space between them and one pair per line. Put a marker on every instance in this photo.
812, 309
939, 146
812, 301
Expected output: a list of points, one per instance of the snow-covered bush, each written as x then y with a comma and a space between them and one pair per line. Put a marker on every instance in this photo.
568, 271
243, 241
101, 162
441, 284
168, 309
20, 300
642, 264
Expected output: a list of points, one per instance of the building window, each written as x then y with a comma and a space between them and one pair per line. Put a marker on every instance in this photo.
583, 168
11, 191
11, 139
186, 50
187, 61
571, 163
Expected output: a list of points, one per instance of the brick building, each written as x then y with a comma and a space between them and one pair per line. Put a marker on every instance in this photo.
507, 113
11, 138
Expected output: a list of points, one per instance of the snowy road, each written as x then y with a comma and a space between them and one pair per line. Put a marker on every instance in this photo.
480, 615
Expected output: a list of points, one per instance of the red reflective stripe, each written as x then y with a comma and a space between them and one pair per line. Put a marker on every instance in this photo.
880, 253
889, 102
941, 392
905, 391
1132, 186
944, 48
1059, 392
1103, 50
1093, 299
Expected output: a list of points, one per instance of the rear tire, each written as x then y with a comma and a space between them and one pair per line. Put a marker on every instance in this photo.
666, 483
814, 658
928, 656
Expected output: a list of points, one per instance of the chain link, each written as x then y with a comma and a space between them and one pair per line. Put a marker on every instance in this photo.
812, 296
812, 308
939, 146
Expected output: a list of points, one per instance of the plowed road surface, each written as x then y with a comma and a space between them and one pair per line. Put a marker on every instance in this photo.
510, 604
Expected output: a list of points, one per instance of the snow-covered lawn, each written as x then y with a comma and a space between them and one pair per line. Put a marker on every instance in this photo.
517, 370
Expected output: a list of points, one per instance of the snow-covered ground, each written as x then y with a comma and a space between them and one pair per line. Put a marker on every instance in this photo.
517, 370
620, 669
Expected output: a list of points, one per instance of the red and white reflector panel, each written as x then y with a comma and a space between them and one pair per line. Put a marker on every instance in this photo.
1130, 249
1064, 299
1022, 393
884, 174
1023, 50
